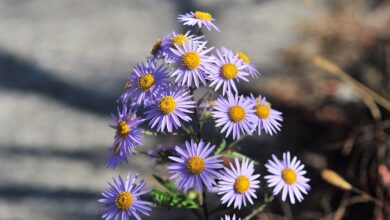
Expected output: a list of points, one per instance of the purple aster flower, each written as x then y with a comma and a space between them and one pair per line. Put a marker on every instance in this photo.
160, 150
195, 167
268, 119
159, 52
192, 63
249, 67
175, 40
238, 183
146, 81
287, 175
128, 134
228, 69
209, 104
199, 18
235, 114
115, 158
171, 105
227, 217
123, 199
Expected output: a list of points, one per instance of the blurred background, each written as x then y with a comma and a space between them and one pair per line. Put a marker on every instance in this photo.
63, 64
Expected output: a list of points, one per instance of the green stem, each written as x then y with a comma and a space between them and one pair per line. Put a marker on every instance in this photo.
141, 152
151, 133
255, 212
198, 127
199, 136
236, 142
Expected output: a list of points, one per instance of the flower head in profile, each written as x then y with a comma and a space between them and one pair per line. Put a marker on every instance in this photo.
128, 133
228, 70
235, 115
158, 52
115, 158
175, 41
199, 18
195, 167
227, 217
169, 108
207, 105
192, 63
249, 67
268, 119
161, 151
287, 176
239, 183
146, 81
122, 199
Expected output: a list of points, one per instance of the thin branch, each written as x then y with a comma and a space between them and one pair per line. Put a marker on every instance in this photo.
255, 212
335, 70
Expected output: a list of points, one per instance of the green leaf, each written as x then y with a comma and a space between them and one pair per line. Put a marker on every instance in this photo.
240, 156
172, 199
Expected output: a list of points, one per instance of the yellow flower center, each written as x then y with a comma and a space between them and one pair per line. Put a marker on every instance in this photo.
179, 40
262, 111
190, 60
195, 165
156, 47
236, 113
122, 128
229, 71
243, 57
146, 82
203, 15
241, 184
289, 176
167, 105
124, 200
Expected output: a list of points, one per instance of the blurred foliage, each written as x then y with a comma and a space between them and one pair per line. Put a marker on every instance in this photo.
341, 87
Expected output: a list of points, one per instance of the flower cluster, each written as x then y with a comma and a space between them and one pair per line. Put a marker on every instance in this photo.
159, 99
